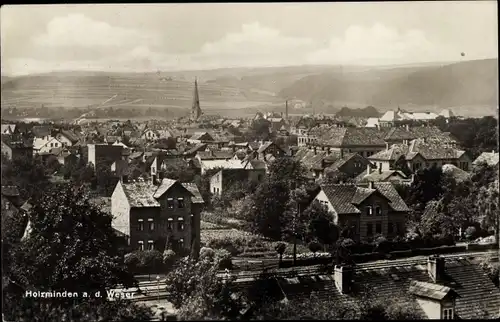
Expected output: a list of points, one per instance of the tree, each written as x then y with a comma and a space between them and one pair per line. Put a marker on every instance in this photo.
259, 130
487, 203
287, 169
280, 249
314, 246
169, 258
166, 143
321, 226
333, 176
150, 260
198, 292
71, 247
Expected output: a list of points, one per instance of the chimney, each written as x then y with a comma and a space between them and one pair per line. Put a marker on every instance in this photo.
124, 178
315, 151
370, 185
160, 175
407, 127
341, 153
386, 146
153, 179
368, 169
343, 278
435, 267
328, 151
380, 168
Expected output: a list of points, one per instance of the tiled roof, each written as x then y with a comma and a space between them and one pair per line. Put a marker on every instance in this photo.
70, 135
434, 150
196, 148
214, 155
140, 194
257, 164
193, 188
10, 191
473, 288
361, 194
224, 164
340, 197
198, 135
41, 130
338, 160
375, 176
264, 146
490, 158
417, 132
164, 186
349, 136
391, 154
387, 189
429, 290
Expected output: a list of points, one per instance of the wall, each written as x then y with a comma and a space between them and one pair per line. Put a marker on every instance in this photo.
7, 150
323, 199
350, 168
157, 235
431, 308
120, 210
365, 219
64, 140
216, 183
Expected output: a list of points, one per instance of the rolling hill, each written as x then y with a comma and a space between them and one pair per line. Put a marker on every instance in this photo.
471, 87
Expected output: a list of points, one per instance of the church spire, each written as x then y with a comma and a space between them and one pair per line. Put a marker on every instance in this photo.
196, 109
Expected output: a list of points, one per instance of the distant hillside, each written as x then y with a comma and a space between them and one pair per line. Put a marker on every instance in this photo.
121, 90
471, 84
366, 112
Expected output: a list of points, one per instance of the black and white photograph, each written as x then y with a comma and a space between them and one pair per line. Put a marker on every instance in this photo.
250, 161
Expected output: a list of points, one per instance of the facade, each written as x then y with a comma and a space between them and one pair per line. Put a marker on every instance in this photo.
419, 154
156, 215
367, 212
67, 138
377, 175
103, 155
222, 180
16, 149
45, 145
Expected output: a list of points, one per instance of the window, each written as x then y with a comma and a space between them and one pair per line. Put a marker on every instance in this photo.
448, 314
169, 223
378, 227
181, 242
140, 226
153, 170
170, 203
369, 210
141, 245
180, 224
56, 144
390, 228
378, 210
354, 229
180, 202
151, 224
398, 227
369, 229
7, 205
52, 145
151, 245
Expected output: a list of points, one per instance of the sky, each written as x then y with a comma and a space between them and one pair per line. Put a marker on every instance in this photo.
194, 36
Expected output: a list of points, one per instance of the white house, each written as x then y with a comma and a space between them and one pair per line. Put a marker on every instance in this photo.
46, 144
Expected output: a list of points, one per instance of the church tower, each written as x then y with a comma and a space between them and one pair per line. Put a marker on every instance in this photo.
196, 109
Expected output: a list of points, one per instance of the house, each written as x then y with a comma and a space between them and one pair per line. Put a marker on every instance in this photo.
158, 214
44, 145
377, 175
405, 134
42, 132
372, 122
67, 138
436, 287
223, 180
8, 129
153, 135
214, 155
270, 150
192, 151
367, 212
200, 137
64, 156
318, 160
104, 155
363, 140
490, 158
15, 149
421, 153
395, 118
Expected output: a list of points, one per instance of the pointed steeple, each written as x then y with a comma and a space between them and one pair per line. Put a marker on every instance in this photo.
196, 109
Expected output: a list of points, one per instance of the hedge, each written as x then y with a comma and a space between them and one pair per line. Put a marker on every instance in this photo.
438, 250
474, 246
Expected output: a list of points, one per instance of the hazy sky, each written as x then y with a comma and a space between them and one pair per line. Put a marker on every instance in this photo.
203, 36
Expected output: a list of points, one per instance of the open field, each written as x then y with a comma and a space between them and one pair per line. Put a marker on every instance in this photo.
122, 91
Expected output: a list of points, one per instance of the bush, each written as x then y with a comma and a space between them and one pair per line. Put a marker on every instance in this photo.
471, 233
224, 258
169, 258
314, 246
132, 261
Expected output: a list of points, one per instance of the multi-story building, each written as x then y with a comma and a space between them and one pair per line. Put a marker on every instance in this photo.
223, 180
158, 214
104, 155
421, 153
367, 212
15, 149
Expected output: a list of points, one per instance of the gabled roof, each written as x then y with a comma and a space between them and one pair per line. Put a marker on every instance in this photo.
196, 148
490, 158
392, 154
348, 136
215, 155
8, 128
430, 290
199, 135
41, 130
382, 176
70, 135
165, 185
16, 143
193, 188
140, 194
345, 197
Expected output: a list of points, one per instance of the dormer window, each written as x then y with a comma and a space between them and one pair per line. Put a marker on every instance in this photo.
170, 203
180, 202
448, 314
